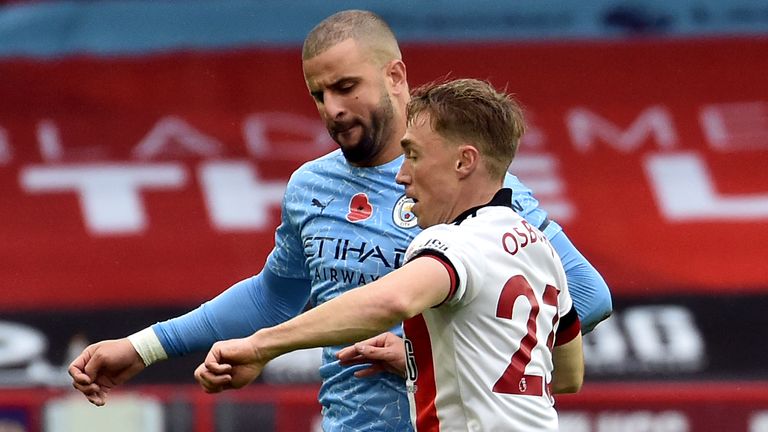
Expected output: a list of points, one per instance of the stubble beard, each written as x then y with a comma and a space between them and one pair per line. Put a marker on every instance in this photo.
375, 137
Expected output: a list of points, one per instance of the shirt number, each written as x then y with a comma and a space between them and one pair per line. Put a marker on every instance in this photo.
514, 380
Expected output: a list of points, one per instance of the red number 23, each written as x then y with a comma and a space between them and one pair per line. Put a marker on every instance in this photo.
514, 380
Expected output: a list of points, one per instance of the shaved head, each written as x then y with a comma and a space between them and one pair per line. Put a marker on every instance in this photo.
365, 28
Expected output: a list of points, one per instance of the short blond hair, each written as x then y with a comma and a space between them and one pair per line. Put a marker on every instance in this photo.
473, 110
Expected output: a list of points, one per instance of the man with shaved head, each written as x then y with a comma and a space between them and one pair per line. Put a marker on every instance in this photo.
366, 28
349, 50
345, 222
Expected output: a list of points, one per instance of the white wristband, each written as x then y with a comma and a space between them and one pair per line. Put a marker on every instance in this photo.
148, 346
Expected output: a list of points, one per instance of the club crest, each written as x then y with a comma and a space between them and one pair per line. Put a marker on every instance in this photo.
402, 214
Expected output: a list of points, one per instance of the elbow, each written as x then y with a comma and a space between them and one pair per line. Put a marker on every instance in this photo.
570, 386
571, 376
392, 308
568, 373
601, 312
607, 307
400, 308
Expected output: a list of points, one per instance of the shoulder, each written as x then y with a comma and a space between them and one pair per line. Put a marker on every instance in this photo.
518, 188
523, 200
447, 231
318, 169
443, 238
332, 161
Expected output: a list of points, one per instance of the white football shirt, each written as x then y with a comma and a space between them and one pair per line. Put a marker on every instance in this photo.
481, 360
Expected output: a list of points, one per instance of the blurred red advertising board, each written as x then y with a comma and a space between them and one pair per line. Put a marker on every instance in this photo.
156, 180
614, 407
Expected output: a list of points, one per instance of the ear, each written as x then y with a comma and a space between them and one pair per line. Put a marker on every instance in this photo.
397, 75
467, 161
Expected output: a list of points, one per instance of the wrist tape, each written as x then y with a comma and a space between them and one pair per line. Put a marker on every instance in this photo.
146, 343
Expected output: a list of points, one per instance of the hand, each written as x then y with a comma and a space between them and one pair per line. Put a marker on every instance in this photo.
231, 364
385, 352
102, 366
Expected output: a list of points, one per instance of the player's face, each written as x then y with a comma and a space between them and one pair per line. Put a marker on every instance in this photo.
428, 173
353, 100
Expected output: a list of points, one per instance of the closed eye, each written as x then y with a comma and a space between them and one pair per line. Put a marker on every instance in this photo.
345, 86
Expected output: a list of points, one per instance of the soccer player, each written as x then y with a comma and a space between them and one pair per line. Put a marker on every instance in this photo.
483, 294
344, 223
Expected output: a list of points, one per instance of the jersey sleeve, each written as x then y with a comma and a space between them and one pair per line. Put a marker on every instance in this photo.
278, 293
249, 305
445, 244
287, 258
590, 293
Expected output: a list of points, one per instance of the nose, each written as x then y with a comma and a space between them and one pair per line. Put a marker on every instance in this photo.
403, 177
333, 106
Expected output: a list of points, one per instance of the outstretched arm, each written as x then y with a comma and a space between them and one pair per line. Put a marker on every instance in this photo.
252, 304
353, 316
247, 306
590, 293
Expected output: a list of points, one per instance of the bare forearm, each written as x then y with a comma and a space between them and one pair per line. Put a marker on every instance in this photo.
361, 313
354, 316
568, 359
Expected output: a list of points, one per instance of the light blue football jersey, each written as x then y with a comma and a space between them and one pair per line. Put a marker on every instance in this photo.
343, 227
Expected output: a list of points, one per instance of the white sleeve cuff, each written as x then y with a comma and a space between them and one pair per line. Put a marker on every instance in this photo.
148, 346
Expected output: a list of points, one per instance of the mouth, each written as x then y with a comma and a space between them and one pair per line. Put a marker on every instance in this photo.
345, 134
415, 209
341, 128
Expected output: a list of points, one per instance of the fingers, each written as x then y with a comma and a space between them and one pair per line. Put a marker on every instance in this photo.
352, 353
86, 389
347, 354
364, 352
82, 382
78, 376
379, 340
214, 379
385, 353
375, 353
77, 367
217, 368
358, 359
93, 393
360, 353
98, 398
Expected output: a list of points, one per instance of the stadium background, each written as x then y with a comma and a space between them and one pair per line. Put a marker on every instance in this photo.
144, 148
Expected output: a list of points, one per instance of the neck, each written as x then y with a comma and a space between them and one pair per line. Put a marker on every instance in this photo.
473, 194
389, 153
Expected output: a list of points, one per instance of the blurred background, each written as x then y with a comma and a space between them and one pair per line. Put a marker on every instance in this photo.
145, 146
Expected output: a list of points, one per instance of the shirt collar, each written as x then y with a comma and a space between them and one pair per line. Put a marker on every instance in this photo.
502, 198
